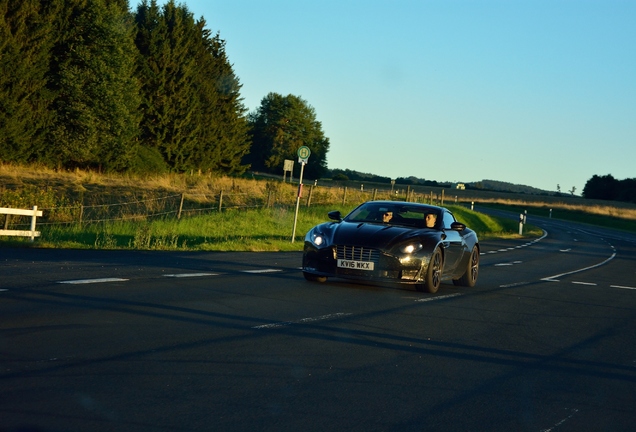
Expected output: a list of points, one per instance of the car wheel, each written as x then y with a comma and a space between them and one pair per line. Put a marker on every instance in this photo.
314, 278
433, 277
469, 278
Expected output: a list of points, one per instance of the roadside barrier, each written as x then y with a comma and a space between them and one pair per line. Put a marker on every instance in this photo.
34, 213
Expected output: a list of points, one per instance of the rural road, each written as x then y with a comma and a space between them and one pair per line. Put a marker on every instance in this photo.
163, 341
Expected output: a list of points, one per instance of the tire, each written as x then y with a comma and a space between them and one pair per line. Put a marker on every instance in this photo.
314, 278
433, 277
469, 278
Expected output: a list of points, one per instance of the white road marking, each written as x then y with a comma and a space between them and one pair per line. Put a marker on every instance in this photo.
184, 275
551, 278
428, 299
513, 285
503, 264
262, 271
574, 411
545, 234
623, 287
584, 283
91, 281
302, 321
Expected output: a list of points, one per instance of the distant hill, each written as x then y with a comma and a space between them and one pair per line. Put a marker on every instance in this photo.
488, 185
499, 186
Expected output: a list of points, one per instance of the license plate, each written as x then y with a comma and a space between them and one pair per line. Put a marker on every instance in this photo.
356, 265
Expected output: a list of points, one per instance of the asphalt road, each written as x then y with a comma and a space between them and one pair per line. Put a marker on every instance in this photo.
152, 341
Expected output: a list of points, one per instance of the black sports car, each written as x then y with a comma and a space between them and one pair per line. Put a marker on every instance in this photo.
396, 242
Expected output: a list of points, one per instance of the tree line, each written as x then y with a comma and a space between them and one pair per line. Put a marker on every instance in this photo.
93, 84
607, 187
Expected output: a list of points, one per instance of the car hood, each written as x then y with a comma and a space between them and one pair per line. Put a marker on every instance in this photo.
373, 235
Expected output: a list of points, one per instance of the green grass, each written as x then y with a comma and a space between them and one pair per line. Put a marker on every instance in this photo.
489, 227
607, 221
230, 230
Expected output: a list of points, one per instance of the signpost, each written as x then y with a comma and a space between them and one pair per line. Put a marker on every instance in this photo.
303, 155
288, 166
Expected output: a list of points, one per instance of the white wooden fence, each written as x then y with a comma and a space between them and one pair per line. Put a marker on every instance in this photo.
34, 213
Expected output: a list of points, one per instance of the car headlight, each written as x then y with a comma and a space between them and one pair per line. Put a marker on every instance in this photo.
317, 239
410, 248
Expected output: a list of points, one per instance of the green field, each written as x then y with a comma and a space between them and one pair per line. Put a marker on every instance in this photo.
86, 210
230, 230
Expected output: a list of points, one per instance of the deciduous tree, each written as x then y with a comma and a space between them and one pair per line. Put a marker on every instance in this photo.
280, 126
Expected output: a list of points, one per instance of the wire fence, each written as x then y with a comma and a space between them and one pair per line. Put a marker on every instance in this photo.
183, 205
111, 204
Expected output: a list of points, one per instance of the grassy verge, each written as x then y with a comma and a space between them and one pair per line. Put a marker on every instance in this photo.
607, 220
231, 230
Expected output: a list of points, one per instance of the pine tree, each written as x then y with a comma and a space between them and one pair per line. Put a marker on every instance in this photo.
223, 140
165, 40
97, 95
24, 99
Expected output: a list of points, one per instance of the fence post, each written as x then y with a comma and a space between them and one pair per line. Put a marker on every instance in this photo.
220, 200
344, 196
442, 196
269, 198
7, 218
81, 215
375, 193
180, 206
311, 191
35, 213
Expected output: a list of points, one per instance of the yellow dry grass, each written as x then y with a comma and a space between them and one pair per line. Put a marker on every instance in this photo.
207, 187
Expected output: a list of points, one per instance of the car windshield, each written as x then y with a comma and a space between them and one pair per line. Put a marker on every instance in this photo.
417, 216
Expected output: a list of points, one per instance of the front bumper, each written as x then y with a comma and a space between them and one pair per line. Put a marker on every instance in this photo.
405, 269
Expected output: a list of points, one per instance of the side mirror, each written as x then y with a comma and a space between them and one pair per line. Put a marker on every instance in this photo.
458, 226
335, 215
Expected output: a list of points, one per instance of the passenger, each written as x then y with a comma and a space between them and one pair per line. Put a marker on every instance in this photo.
431, 218
387, 216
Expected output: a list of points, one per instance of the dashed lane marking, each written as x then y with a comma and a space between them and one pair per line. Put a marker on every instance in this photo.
429, 299
559, 423
302, 321
186, 275
513, 285
262, 271
545, 234
508, 263
623, 287
91, 281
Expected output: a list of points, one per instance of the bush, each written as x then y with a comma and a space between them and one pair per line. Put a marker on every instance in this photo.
148, 161
340, 177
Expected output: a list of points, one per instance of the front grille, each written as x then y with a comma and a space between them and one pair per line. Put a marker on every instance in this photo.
354, 253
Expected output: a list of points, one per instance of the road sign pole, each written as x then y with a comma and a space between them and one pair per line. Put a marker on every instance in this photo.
300, 189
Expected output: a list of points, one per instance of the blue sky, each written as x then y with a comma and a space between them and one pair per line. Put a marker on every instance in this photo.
540, 93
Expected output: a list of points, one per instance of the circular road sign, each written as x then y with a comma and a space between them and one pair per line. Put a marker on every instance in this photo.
304, 152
